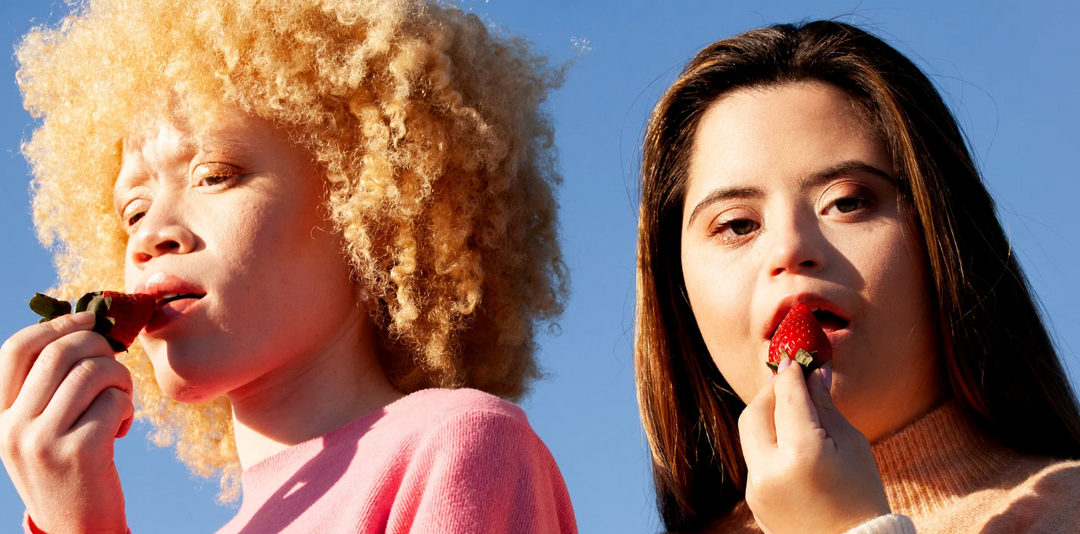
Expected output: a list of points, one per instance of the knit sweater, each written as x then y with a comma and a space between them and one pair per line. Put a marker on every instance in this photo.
436, 461
943, 475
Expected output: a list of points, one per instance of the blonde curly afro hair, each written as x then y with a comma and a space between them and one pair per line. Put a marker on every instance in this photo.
438, 159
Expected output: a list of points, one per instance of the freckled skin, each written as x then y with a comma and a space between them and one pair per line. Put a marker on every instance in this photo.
844, 237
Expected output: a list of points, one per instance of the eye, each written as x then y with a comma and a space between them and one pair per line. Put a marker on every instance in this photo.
849, 204
849, 200
215, 175
734, 230
134, 212
214, 180
742, 226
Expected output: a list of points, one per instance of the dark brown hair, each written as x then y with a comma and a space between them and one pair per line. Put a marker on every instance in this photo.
998, 358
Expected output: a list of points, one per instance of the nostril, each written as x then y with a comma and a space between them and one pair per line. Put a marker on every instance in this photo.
169, 245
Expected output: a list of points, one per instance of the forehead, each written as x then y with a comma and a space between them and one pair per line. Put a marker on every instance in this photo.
162, 138
788, 129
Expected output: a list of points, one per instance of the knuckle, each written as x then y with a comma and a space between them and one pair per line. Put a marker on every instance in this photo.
51, 357
84, 370
9, 440
116, 403
15, 345
788, 396
118, 396
43, 450
744, 421
818, 435
762, 484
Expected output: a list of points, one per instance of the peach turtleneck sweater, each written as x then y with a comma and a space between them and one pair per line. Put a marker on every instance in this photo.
942, 475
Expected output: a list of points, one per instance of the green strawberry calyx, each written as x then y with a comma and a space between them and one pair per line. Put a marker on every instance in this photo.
803, 358
50, 308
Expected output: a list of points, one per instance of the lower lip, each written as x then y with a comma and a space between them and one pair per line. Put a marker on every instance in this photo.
836, 337
169, 313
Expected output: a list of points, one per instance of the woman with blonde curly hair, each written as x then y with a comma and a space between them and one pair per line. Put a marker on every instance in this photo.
344, 210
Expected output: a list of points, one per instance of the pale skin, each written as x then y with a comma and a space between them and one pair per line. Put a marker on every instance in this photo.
791, 199
234, 218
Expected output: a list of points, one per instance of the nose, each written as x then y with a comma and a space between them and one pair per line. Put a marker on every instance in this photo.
798, 246
161, 231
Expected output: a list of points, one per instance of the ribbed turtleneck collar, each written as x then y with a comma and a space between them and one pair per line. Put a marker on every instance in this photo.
937, 458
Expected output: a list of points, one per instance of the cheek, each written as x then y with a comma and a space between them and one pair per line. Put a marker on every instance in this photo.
720, 295
895, 268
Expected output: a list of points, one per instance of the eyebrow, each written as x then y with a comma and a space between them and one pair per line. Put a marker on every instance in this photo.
123, 182
824, 175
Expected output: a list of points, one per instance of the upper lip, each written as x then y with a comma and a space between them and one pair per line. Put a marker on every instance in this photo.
810, 300
164, 285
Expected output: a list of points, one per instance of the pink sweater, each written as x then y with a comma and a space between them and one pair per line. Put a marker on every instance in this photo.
437, 461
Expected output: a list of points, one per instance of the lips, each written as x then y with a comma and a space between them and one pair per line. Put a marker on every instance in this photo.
831, 316
174, 296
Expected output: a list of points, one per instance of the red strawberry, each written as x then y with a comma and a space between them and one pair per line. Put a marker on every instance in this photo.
120, 316
800, 337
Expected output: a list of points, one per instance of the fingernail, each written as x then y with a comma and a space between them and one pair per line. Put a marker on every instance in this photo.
826, 376
82, 319
785, 362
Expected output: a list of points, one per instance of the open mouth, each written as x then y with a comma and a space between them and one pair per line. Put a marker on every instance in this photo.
830, 321
171, 297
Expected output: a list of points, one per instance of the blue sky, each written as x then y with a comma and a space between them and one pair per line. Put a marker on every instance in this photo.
1008, 71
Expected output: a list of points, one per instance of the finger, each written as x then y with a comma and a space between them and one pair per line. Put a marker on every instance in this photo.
54, 364
756, 430
105, 418
18, 353
84, 383
796, 415
785, 362
831, 419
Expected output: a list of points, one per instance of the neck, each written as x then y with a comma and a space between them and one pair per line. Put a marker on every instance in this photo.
335, 386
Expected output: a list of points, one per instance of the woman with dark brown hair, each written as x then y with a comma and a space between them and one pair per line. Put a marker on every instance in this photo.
814, 164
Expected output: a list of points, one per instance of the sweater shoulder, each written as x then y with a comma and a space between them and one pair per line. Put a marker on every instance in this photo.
1047, 500
1033, 494
459, 420
431, 408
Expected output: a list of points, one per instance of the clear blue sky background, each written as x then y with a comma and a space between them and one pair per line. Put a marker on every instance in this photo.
1008, 70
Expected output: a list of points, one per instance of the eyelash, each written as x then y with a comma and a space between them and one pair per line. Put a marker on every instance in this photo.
731, 224
861, 203
134, 218
222, 179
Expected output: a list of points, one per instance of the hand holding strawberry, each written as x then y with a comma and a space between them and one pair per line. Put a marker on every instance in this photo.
64, 399
809, 469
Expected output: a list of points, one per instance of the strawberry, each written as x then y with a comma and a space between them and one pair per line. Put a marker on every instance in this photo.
120, 316
800, 337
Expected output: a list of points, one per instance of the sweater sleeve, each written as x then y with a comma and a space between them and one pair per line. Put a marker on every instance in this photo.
30, 528
885, 524
482, 472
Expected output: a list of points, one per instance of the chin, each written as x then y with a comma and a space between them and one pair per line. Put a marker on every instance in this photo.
179, 390
186, 388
